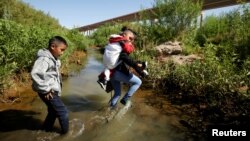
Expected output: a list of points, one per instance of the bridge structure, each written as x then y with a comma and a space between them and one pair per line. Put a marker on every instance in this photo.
207, 5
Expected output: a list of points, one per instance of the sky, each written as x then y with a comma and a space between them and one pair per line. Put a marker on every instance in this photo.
76, 13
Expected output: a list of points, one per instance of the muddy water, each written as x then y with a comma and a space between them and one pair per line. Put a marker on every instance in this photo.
90, 118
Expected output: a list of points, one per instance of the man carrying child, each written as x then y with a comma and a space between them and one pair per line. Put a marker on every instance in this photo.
117, 62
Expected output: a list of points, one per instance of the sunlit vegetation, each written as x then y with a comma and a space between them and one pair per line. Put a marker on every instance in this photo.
24, 30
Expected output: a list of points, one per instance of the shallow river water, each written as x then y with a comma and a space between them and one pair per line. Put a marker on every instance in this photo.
90, 118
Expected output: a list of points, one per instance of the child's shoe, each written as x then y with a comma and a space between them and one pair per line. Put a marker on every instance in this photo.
145, 72
102, 83
144, 65
125, 102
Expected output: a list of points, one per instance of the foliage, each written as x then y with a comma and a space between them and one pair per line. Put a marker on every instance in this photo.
202, 78
79, 41
23, 31
224, 69
201, 38
20, 12
230, 30
172, 19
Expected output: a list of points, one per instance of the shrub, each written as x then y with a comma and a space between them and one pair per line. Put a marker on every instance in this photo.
173, 18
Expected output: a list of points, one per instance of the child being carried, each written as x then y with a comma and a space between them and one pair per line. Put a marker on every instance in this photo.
117, 44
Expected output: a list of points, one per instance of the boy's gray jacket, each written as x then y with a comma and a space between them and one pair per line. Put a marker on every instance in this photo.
45, 73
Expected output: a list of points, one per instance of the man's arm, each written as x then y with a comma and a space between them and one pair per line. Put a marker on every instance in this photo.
126, 59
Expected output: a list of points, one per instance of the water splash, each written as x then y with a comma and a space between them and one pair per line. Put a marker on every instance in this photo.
123, 110
76, 128
45, 136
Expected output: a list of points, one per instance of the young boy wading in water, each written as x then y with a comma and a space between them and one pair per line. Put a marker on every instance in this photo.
48, 84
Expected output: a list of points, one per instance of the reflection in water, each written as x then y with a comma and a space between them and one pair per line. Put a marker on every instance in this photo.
90, 117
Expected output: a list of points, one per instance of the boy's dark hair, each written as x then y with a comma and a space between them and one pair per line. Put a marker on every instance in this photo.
125, 28
56, 40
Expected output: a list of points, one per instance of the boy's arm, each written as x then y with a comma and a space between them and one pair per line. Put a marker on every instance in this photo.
38, 75
126, 59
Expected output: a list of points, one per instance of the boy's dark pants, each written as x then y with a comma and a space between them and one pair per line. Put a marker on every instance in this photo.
56, 109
